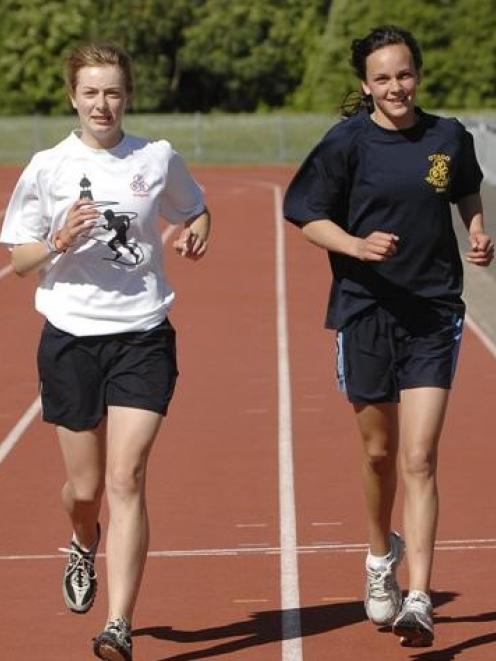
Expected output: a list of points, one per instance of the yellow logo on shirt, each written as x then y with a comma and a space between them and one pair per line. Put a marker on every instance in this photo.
439, 174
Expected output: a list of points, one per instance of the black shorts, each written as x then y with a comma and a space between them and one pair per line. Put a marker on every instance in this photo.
378, 356
81, 376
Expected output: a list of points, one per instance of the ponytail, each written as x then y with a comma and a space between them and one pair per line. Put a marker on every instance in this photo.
355, 101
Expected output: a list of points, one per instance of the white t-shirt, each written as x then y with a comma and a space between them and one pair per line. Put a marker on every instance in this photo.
111, 280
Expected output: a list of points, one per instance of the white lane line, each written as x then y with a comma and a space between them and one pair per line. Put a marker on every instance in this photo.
290, 592
441, 545
168, 232
481, 336
7, 270
17, 431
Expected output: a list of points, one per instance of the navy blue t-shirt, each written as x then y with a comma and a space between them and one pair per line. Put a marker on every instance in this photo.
367, 178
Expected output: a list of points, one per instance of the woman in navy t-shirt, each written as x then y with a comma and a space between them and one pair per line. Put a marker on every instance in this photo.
376, 194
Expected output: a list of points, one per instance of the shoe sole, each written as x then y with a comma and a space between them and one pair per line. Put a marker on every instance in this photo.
108, 653
413, 635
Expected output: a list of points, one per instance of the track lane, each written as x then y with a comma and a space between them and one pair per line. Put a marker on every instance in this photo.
213, 478
213, 473
331, 505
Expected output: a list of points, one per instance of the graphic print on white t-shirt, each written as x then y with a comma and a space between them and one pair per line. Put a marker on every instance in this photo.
111, 228
84, 291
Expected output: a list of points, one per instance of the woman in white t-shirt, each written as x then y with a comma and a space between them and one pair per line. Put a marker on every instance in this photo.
85, 215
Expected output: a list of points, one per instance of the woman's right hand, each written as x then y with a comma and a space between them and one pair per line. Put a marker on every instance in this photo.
81, 215
376, 247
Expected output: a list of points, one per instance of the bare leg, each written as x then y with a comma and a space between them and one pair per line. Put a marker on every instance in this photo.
379, 429
422, 413
84, 457
130, 437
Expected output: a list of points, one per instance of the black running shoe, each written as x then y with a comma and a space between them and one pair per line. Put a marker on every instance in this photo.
79, 583
115, 642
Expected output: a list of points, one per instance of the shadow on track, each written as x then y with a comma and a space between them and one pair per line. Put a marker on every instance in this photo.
266, 627
449, 653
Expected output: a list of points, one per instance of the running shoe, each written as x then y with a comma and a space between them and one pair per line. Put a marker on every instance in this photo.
79, 583
382, 592
414, 623
115, 642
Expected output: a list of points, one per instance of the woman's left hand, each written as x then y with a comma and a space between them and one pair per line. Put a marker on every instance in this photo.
481, 250
190, 244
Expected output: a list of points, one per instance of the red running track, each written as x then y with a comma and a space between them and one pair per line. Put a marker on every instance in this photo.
256, 507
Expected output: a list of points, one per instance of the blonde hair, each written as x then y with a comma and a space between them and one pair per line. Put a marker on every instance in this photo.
97, 55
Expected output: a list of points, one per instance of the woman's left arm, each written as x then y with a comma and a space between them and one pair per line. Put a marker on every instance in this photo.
481, 245
193, 240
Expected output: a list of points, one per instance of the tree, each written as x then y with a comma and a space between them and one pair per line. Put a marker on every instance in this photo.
247, 54
34, 36
473, 83
329, 77
153, 35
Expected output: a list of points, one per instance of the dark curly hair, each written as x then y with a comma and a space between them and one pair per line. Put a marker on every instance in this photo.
383, 35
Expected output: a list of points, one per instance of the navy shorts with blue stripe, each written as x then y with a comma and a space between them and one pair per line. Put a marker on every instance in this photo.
379, 355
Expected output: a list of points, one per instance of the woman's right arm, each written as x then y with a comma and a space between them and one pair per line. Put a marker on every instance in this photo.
318, 190
30, 257
376, 247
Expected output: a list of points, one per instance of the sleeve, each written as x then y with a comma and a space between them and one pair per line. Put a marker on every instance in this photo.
25, 220
319, 188
182, 197
467, 176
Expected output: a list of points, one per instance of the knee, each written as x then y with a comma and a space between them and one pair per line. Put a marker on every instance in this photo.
419, 464
84, 492
380, 463
124, 483
379, 457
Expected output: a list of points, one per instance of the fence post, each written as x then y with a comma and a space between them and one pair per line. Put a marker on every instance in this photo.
36, 143
198, 136
281, 138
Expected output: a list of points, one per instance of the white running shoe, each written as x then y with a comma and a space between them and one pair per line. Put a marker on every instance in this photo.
382, 592
414, 623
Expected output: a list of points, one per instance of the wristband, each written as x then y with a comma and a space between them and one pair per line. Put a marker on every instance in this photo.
58, 243
54, 244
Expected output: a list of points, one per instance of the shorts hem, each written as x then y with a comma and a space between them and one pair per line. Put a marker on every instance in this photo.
370, 401
74, 426
144, 406
441, 386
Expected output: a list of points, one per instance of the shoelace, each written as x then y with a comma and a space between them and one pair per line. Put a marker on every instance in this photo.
380, 582
121, 630
417, 603
81, 565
